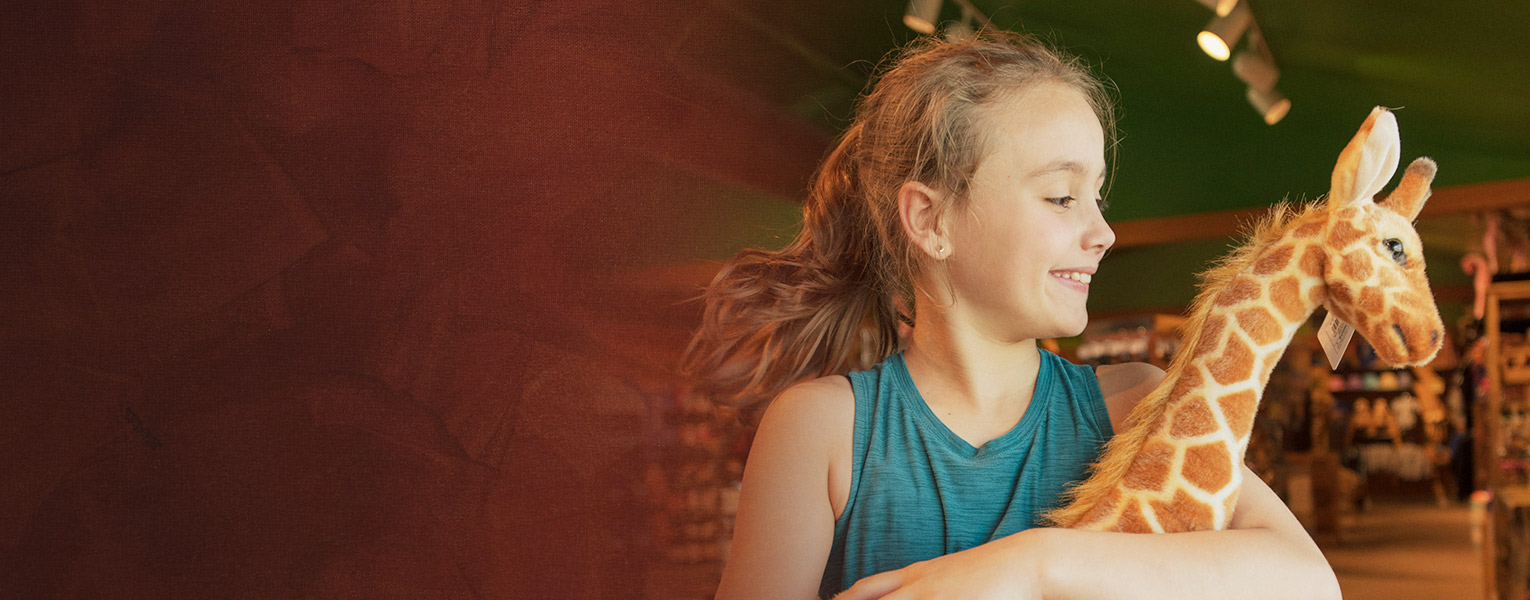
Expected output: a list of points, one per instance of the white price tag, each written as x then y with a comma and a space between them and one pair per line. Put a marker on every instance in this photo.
1334, 335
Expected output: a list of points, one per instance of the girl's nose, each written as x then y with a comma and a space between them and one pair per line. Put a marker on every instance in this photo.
1099, 237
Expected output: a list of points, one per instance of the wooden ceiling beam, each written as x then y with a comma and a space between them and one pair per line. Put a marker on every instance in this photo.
684, 282
1456, 199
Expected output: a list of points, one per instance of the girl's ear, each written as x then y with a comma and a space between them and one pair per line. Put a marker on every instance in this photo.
920, 208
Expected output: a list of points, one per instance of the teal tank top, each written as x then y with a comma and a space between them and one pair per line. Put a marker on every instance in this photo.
918, 490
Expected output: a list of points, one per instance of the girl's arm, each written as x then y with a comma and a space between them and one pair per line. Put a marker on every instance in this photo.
785, 522
1265, 553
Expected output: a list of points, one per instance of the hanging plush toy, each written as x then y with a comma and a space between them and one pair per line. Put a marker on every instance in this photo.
1178, 464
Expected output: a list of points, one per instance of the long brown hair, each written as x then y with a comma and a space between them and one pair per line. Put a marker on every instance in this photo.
829, 303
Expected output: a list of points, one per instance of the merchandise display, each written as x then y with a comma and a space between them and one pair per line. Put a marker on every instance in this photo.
1504, 452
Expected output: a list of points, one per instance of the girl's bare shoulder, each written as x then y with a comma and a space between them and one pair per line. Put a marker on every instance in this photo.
1123, 386
1116, 379
822, 404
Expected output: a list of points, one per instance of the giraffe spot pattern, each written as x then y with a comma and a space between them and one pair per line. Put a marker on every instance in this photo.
1360, 319
1238, 409
1371, 301
1286, 295
1193, 418
1273, 260
1272, 359
1133, 520
1356, 265
1342, 234
1235, 364
1315, 295
1208, 466
1238, 291
1267, 366
1150, 469
1210, 332
1308, 230
1260, 325
1183, 513
1341, 294
1312, 261
1104, 511
1189, 380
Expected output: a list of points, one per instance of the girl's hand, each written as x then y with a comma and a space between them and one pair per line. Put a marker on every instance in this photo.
1007, 568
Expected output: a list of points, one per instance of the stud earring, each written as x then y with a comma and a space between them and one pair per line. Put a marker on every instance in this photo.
940, 251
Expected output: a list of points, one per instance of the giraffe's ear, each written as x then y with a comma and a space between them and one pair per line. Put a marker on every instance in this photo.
1368, 162
1413, 191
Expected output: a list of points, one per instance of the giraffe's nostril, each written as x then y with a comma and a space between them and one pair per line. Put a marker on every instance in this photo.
1434, 337
1400, 335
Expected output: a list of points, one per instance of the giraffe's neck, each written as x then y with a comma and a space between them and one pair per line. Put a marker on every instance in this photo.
1177, 464
1246, 330
1207, 419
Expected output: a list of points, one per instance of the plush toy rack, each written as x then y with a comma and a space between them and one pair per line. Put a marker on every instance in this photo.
1504, 429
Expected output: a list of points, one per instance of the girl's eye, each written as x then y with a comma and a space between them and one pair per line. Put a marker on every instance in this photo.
1063, 201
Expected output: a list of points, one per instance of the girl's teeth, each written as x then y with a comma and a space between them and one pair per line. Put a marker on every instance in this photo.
1077, 276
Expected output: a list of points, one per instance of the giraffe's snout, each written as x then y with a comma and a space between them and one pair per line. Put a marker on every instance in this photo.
1408, 349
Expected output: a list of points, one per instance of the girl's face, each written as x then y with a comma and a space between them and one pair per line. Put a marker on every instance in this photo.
1025, 248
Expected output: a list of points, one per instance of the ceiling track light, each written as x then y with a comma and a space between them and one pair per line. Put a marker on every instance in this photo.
922, 15
1222, 33
1222, 7
963, 30
1254, 64
1271, 104
960, 30
1255, 70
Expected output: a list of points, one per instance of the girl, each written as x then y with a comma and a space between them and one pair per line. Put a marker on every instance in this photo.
914, 462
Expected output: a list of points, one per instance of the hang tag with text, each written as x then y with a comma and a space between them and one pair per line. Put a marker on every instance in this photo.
1334, 336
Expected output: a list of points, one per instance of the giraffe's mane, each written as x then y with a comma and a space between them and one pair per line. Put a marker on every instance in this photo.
1123, 448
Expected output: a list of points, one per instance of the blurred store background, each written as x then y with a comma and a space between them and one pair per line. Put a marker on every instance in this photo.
364, 299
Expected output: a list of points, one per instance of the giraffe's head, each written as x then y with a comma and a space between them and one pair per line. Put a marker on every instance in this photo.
1373, 264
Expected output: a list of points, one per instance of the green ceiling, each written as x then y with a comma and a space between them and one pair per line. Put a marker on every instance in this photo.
1457, 73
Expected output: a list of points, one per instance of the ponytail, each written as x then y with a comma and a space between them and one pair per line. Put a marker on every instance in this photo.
817, 307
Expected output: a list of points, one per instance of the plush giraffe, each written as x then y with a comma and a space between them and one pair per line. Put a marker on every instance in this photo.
1178, 463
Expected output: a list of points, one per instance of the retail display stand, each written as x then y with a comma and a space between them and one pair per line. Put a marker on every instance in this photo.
1502, 427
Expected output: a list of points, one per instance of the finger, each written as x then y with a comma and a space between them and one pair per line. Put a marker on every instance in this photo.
873, 587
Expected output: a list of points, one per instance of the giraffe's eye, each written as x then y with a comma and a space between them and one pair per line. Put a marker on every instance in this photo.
1394, 248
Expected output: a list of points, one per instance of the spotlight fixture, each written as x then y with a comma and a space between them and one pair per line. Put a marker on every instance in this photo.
1254, 64
1256, 69
922, 15
960, 30
1272, 104
1222, 33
